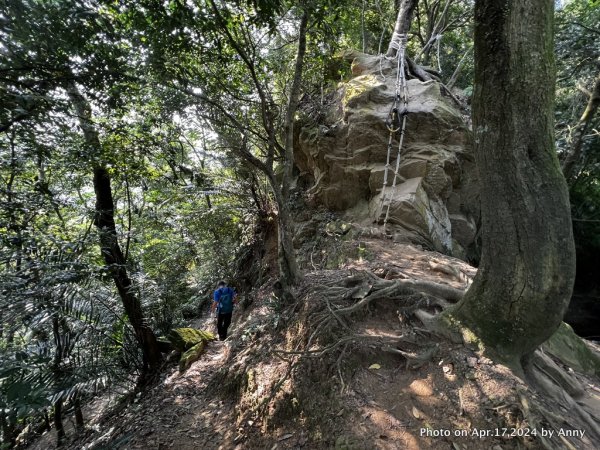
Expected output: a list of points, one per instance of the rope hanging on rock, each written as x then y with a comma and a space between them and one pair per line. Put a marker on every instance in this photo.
396, 121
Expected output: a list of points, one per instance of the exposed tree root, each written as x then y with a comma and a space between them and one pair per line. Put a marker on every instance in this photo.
367, 287
555, 389
541, 363
445, 269
540, 416
336, 310
413, 360
433, 325
553, 382
332, 323
419, 71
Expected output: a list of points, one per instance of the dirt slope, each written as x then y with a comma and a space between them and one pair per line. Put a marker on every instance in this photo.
301, 378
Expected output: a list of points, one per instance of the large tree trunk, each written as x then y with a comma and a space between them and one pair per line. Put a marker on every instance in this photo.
109, 244
527, 268
403, 22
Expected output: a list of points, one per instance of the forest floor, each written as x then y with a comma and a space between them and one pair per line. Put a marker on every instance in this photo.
254, 391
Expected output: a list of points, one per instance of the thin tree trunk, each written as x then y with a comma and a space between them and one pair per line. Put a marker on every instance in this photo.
525, 279
115, 261
58, 357
8, 430
206, 196
109, 244
402, 27
582, 127
458, 69
58, 423
363, 31
287, 257
14, 223
79, 421
46, 426
438, 27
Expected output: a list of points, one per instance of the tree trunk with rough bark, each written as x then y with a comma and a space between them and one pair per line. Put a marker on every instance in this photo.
527, 269
115, 261
56, 369
109, 245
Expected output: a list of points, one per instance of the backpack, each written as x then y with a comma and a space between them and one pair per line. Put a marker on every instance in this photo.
225, 300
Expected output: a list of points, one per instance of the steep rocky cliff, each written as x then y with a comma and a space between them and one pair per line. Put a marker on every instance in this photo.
342, 159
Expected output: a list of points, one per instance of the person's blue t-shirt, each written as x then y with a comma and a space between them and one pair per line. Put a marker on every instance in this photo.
224, 297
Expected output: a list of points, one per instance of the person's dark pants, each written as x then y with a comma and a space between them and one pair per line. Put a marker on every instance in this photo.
223, 321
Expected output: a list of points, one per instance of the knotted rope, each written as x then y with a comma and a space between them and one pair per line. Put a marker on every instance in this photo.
396, 121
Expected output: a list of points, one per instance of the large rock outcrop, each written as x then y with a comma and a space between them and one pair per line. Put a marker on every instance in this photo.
434, 201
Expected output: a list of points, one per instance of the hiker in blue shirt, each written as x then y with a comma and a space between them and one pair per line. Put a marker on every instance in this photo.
224, 300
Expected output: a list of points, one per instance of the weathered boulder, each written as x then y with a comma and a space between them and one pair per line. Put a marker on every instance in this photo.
191, 343
573, 351
185, 338
423, 216
436, 186
191, 355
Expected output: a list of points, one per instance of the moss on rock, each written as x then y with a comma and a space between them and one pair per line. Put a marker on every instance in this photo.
358, 89
191, 343
191, 355
184, 339
565, 345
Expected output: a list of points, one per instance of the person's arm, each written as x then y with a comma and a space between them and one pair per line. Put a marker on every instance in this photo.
215, 302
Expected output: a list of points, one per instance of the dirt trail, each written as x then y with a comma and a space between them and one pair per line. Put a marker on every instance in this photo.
373, 400
181, 412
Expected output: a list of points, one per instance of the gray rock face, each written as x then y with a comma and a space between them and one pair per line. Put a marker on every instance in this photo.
434, 200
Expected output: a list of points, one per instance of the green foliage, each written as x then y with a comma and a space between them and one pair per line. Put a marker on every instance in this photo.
63, 333
444, 36
578, 57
